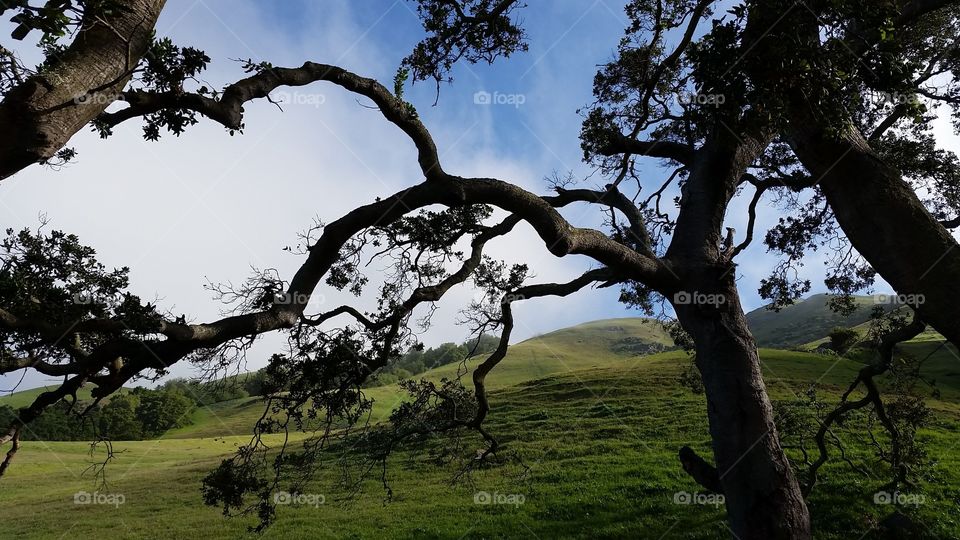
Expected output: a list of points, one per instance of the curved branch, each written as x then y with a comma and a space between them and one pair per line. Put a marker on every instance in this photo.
182, 340
10, 363
613, 198
872, 397
228, 109
524, 293
751, 223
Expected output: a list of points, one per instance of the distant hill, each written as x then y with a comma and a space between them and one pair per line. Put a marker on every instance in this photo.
24, 398
805, 321
618, 345
604, 344
595, 344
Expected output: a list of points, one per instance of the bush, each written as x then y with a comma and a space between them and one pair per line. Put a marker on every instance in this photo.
842, 339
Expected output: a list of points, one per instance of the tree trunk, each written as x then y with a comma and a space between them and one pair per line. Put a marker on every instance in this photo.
38, 117
885, 221
763, 498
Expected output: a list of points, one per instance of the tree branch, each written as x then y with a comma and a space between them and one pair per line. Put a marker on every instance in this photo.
506, 319
39, 116
866, 377
228, 109
620, 144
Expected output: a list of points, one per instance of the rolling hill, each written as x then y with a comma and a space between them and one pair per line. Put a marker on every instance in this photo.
592, 417
805, 321
592, 452
598, 344
592, 344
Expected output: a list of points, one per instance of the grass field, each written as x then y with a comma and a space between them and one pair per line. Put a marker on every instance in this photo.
597, 430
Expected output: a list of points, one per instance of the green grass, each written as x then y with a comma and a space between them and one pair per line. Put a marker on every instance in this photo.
599, 443
939, 360
595, 425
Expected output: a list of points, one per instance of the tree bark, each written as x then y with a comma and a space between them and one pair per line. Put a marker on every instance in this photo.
885, 221
38, 117
763, 498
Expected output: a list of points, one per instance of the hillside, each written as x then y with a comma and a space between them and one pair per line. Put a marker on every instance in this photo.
597, 344
804, 321
597, 450
591, 424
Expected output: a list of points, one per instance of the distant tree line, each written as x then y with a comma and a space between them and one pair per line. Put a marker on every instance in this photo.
210, 392
141, 413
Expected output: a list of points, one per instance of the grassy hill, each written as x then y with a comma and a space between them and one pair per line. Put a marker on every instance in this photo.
939, 360
598, 448
804, 321
593, 426
596, 344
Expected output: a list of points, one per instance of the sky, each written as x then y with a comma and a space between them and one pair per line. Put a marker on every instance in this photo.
207, 206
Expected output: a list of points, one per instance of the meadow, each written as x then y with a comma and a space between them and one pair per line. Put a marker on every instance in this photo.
592, 433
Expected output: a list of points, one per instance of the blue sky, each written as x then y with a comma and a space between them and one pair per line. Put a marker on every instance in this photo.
208, 206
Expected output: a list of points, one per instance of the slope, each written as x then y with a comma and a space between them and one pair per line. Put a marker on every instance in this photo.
806, 320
